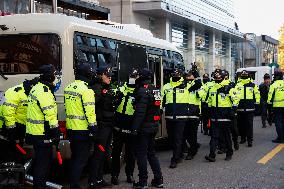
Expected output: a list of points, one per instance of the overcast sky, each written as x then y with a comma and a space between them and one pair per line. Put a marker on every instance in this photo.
260, 16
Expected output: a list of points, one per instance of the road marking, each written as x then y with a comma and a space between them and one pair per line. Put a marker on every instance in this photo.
271, 154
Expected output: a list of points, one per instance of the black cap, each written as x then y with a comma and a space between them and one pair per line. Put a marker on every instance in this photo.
266, 76
47, 73
104, 71
134, 73
206, 75
177, 73
217, 76
244, 73
278, 73
84, 69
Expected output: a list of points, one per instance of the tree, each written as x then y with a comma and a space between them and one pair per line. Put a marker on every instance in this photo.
281, 48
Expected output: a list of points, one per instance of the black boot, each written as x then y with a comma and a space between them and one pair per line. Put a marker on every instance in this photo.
173, 165
210, 158
243, 141
130, 179
139, 185
236, 146
114, 180
250, 144
157, 183
228, 157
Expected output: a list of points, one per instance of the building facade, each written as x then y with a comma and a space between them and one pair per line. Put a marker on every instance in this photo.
258, 50
87, 9
204, 30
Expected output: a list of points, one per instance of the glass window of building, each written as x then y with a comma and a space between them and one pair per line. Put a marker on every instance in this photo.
202, 41
14, 6
180, 35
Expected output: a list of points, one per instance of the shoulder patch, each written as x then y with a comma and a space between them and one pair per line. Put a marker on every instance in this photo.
45, 89
18, 89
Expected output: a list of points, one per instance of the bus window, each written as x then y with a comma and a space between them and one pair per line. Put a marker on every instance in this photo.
130, 56
23, 54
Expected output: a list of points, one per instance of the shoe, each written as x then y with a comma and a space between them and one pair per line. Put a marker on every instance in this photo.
210, 158
130, 179
173, 165
114, 180
103, 184
189, 157
228, 157
243, 141
157, 183
249, 144
277, 141
139, 185
236, 146
220, 152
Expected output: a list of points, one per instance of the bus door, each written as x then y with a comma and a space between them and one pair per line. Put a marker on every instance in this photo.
155, 64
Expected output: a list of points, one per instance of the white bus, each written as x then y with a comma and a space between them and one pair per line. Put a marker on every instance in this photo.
31, 40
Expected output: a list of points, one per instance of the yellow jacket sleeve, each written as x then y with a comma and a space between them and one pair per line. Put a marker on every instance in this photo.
270, 94
9, 108
49, 108
88, 98
257, 94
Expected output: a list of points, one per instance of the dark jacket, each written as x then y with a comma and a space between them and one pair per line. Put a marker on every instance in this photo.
105, 105
147, 108
263, 89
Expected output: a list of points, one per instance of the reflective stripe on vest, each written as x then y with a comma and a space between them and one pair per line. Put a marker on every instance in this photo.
76, 117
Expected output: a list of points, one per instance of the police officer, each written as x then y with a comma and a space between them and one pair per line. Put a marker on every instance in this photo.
15, 114
79, 101
121, 135
175, 100
249, 97
276, 103
264, 89
193, 86
42, 125
105, 108
204, 91
145, 124
223, 109
3, 156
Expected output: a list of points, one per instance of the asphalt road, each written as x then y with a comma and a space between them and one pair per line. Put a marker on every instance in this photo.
242, 172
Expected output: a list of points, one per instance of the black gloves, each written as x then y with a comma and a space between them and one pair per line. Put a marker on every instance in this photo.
54, 135
93, 129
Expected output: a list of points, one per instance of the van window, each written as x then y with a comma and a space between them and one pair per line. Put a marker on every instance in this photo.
25, 53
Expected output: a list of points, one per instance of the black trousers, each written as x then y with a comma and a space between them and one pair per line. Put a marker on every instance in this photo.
221, 129
175, 129
205, 117
103, 138
42, 164
279, 122
120, 139
234, 131
190, 131
145, 149
245, 125
80, 150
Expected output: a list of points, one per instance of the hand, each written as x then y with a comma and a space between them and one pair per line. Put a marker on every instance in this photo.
134, 132
93, 129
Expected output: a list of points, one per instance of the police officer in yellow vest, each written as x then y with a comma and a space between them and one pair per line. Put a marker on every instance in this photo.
175, 100
80, 120
15, 109
42, 125
223, 110
249, 97
122, 131
3, 156
276, 103
204, 92
193, 87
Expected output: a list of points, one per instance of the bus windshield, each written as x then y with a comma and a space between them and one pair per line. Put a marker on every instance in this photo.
25, 53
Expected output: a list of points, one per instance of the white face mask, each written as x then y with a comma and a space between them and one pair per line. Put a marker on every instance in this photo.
131, 81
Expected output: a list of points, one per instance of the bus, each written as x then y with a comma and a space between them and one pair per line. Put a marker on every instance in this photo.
30, 40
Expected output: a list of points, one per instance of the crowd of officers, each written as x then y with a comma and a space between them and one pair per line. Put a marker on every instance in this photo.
100, 116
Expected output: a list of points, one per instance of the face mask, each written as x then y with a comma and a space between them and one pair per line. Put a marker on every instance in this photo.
175, 79
57, 83
190, 79
131, 81
218, 81
205, 80
244, 77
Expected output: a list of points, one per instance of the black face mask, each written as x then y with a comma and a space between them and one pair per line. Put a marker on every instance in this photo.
175, 79
205, 80
218, 81
244, 77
